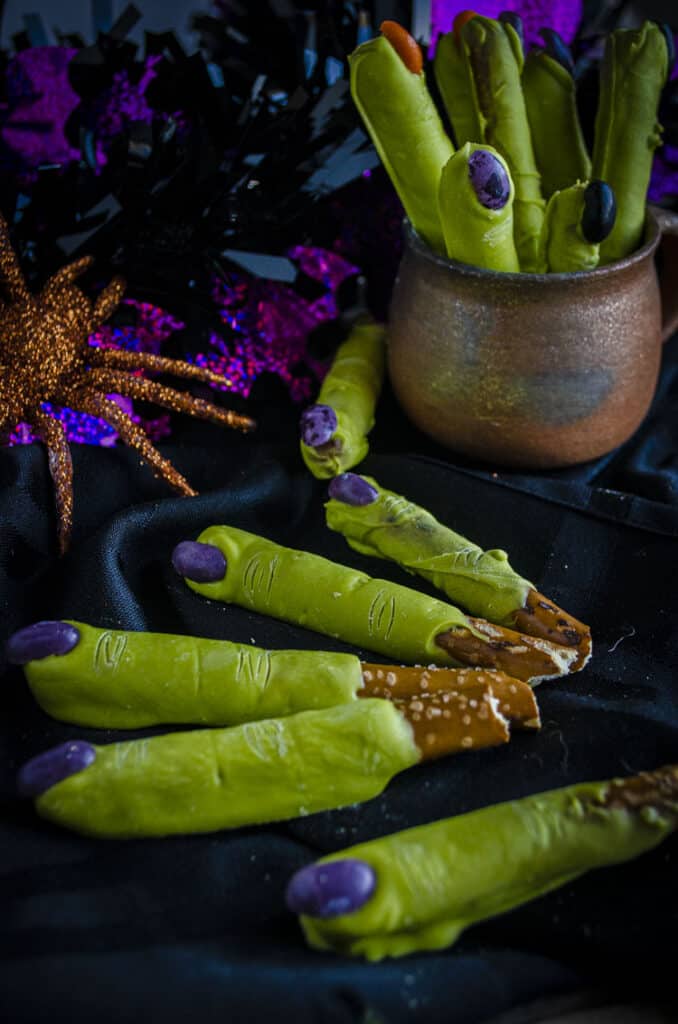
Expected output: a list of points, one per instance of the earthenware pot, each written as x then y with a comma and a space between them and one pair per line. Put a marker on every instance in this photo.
532, 370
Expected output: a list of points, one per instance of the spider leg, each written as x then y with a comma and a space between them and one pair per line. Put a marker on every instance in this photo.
123, 359
9, 266
107, 300
98, 405
177, 401
61, 471
68, 274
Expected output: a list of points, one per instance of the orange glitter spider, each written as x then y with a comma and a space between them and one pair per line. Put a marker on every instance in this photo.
45, 357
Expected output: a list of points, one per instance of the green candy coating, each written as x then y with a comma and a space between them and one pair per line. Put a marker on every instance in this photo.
351, 387
401, 118
563, 248
249, 774
118, 680
435, 880
393, 527
551, 104
311, 591
496, 60
454, 79
633, 74
473, 233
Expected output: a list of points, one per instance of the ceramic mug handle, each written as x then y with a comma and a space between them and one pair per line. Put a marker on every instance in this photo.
668, 269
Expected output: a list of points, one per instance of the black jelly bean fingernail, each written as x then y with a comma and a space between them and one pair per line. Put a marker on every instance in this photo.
46, 770
516, 23
600, 211
330, 890
318, 424
556, 47
352, 490
201, 563
489, 179
40, 640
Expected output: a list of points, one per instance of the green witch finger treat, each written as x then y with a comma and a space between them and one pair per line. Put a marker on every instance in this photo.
634, 71
577, 220
496, 60
476, 209
112, 679
389, 90
259, 772
214, 779
454, 79
374, 614
420, 889
334, 430
551, 104
383, 524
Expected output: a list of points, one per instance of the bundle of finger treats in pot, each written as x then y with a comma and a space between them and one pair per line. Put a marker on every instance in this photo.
520, 191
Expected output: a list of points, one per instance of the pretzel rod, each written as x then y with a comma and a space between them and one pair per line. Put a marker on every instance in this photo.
421, 888
206, 780
516, 700
495, 58
576, 221
311, 591
475, 200
634, 70
551, 105
389, 90
542, 618
113, 679
454, 78
334, 430
381, 523
450, 722
213, 779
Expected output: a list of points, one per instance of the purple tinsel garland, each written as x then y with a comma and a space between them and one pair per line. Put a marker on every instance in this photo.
269, 324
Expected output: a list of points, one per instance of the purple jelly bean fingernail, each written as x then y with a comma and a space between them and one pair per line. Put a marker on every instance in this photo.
489, 179
201, 563
40, 640
318, 424
330, 890
55, 765
352, 490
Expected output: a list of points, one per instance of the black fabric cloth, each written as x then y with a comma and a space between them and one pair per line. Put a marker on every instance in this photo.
195, 927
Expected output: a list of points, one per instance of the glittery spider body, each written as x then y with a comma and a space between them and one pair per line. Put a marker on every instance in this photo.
45, 357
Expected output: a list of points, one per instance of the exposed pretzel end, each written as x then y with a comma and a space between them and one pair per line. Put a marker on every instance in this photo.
450, 722
541, 618
516, 699
523, 657
404, 45
657, 791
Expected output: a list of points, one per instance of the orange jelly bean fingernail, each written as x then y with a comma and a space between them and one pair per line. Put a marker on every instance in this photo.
404, 45
460, 21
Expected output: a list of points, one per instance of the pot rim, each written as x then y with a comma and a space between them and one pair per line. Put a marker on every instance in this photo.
652, 233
